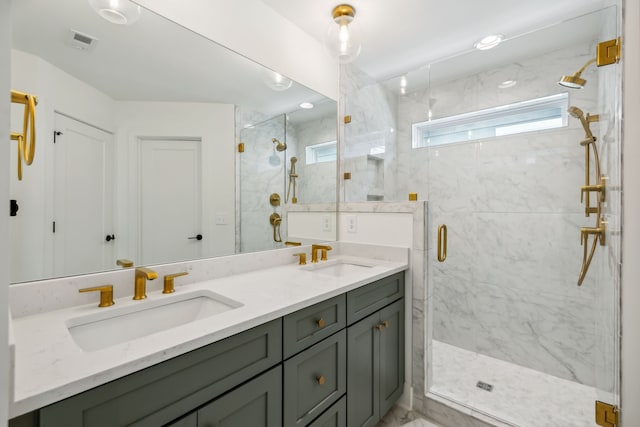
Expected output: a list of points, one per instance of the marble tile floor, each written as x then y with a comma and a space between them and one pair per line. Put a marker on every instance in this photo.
521, 397
400, 417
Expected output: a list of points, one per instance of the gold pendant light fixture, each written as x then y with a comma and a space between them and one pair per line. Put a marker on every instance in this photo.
341, 39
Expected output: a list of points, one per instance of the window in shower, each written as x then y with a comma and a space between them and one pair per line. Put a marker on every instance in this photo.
320, 153
526, 116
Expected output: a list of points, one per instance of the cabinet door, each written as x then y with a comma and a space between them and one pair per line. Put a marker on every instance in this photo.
391, 355
336, 416
257, 403
363, 404
314, 379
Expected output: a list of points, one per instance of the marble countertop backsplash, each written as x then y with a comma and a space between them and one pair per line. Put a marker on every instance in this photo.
49, 366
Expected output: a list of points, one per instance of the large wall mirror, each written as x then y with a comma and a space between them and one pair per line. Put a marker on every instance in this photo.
155, 145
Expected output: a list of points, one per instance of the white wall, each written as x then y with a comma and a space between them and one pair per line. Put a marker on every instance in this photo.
214, 123
30, 232
5, 62
631, 225
254, 30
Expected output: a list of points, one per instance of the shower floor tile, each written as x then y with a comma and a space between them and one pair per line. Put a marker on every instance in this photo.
520, 396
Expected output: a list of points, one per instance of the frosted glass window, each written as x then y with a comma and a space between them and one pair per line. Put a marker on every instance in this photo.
526, 116
320, 153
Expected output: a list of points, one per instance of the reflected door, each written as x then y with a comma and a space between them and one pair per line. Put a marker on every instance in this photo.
82, 198
170, 200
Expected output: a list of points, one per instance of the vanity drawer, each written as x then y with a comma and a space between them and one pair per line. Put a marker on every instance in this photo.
314, 380
336, 416
370, 298
166, 391
312, 324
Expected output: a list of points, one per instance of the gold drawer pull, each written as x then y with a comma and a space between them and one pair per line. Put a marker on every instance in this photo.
381, 326
320, 379
320, 322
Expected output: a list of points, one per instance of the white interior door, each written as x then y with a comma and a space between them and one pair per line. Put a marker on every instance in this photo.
170, 200
83, 194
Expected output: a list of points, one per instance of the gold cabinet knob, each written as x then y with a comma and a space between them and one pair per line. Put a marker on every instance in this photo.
320, 322
106, 294
320, 379
381, 326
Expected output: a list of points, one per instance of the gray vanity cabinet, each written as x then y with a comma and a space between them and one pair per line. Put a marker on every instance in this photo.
163, 393
257, 403
337, 363
375, 359
314, 380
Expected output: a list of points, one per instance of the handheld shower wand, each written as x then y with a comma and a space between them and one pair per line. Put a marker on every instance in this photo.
292, 180
579, 114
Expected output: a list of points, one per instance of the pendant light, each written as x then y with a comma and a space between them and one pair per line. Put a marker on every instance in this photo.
341, 39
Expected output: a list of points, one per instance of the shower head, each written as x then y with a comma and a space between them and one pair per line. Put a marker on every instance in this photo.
575, 81
577, 113
279, 145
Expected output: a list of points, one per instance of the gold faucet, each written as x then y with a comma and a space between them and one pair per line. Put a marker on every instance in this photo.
314, 252
140, 287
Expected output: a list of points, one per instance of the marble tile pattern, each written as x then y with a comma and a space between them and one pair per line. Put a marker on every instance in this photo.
521, 396
372, 129
316, 183
262, 172
512, 206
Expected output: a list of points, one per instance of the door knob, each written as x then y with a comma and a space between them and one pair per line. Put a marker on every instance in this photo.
196, 237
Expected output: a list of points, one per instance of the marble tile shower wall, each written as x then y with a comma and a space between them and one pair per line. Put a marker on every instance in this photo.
316, 182
372, 108
262, 171
512, 206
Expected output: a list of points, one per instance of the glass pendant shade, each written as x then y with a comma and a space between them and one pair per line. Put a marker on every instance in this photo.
342, 38
276, 81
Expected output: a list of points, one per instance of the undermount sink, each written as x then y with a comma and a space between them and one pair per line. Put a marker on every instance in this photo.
338, 268
119, 325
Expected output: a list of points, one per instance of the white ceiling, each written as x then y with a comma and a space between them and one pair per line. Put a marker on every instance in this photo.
400, 35
153, 60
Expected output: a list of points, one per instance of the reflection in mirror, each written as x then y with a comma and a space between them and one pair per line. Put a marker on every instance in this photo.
137, 131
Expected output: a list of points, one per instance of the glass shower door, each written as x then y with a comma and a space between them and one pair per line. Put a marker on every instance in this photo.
512, 335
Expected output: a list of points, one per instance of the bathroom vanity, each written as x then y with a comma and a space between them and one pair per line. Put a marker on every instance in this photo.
327, 349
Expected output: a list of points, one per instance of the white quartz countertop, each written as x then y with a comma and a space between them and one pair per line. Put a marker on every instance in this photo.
49, 365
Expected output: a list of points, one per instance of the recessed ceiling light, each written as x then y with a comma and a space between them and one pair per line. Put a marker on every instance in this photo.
306, 105
488, 42
121, 12
507, 84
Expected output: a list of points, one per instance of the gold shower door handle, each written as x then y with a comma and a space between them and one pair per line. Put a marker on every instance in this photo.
442, 242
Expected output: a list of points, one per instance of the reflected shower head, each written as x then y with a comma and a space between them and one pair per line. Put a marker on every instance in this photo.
279, 145
294, 159
575, 81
